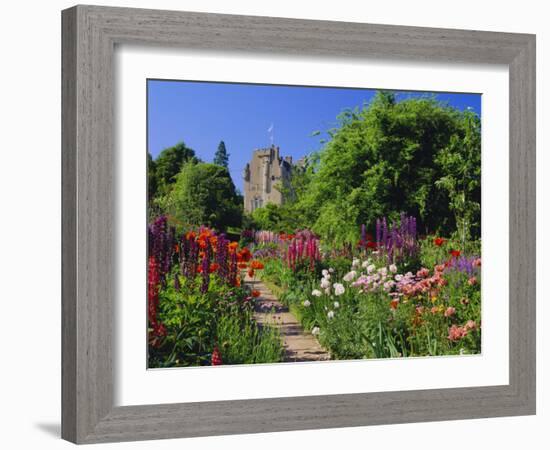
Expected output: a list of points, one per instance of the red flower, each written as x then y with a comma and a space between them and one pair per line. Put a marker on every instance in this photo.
214, 267
244, 255
256, 265
255, 293
371, 245
455, 253
216, 357
439, 241
251, 273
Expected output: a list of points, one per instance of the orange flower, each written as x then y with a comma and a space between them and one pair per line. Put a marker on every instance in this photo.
190, 235
202, 243
237, 281
394, 303
255, 293
214, 240
256, 265
176, 248
242, 265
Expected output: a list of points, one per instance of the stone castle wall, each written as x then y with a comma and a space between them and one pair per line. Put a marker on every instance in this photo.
262, 174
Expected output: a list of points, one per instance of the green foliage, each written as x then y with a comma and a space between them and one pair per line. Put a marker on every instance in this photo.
460, 164
196, 322
268, 217
221, 158
417, 155
169, 163
204, 194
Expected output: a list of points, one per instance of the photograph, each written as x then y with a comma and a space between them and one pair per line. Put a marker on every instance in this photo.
311, 223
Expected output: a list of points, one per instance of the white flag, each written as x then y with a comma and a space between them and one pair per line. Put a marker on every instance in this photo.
270, 129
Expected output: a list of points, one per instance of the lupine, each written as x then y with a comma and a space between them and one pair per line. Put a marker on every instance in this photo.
221, 257
205, 269
399, 240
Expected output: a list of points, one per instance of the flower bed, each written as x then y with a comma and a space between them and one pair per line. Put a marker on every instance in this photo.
397, 296
199, 311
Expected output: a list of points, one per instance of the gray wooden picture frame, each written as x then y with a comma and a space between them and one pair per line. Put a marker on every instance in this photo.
90, 34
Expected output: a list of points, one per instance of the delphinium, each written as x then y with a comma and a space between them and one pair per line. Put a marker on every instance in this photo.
398, 240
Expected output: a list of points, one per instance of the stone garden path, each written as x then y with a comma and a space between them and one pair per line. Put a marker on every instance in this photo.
299, 345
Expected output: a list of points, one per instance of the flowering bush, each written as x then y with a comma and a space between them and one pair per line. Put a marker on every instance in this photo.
199, 312
373, 308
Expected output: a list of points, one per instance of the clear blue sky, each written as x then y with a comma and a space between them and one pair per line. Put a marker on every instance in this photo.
202, 114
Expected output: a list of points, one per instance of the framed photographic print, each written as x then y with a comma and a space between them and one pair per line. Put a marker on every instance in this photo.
268, 222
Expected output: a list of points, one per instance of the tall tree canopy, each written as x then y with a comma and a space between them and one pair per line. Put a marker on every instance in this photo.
170, 161
221, 158
418, 155
204, 194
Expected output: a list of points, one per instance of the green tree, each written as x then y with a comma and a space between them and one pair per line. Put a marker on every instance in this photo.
169, 163
221, 158
268, 217
204, 194
388, 157
460, 164
151, 177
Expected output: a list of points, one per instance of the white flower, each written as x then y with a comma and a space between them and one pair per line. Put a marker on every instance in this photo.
330, 315
336, 305
370, 268
325, 284
350, 276
365, 264
393, 268
316, 293
327, 291
325, 272
307, 303
315, 331
339, 289
355, 262
383, 271
398, 277
331, 270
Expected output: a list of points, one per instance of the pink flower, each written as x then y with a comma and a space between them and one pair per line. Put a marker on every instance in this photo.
434, 310
456, 333
422, 273
470, 325
476, 262
449, 311
472, 281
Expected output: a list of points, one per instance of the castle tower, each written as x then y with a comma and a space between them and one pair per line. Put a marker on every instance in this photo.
262, 174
